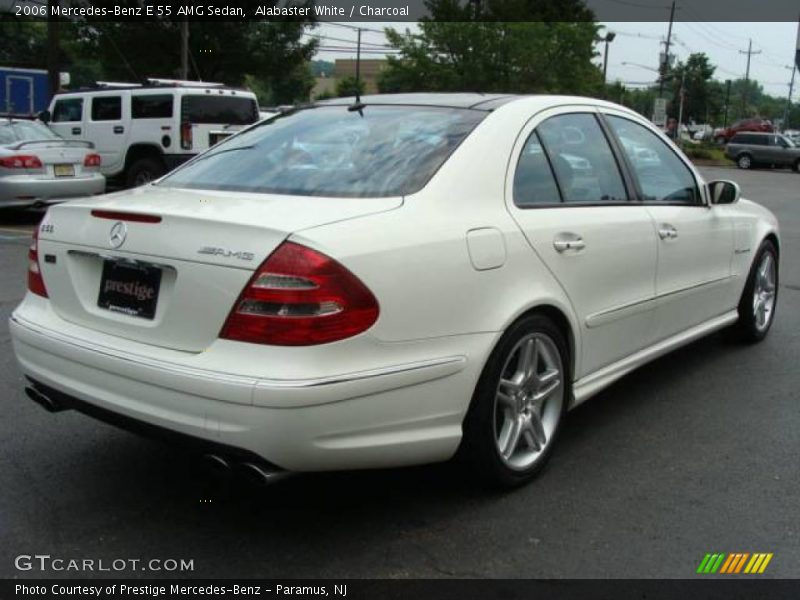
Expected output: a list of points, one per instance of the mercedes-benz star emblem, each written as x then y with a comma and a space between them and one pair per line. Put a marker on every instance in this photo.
118, 234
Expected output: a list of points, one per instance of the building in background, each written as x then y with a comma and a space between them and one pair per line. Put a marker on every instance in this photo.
346, 67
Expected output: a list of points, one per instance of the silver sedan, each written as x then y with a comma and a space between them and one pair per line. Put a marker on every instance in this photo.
37, 167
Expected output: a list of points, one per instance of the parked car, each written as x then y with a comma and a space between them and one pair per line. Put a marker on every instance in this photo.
723, 136
141, 132
749, 150
441, 288
37, 167
793, 135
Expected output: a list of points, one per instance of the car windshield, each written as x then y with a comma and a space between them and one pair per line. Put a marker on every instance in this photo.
789, 142
12, 132
332, 151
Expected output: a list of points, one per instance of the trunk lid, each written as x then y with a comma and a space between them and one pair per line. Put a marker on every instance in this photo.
66, 157
205, 247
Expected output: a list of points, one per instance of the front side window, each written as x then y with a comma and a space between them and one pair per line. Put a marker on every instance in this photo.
106, 108
662, 175
332, 151
582, 159
534, 182
68, 110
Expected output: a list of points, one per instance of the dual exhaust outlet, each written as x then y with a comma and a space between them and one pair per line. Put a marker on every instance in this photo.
259, 474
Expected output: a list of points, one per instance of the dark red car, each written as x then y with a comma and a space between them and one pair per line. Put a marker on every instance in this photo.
723, 136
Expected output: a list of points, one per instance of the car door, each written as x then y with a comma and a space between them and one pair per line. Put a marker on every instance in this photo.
695, 242
106, 127
569, 196
67, 117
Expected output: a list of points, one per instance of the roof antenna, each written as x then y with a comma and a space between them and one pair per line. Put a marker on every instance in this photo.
358, 105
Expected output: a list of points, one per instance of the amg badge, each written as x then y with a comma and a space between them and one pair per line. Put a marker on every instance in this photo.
226, 253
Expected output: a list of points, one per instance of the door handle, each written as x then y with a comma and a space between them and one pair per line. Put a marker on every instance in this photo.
119, 129
568, 241
76, 131
667, 232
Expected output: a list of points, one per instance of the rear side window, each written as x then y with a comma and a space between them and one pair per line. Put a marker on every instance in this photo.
151, 106
662, 175
228, 110
106, 108
582, 159
68, 110
534, 182
332, 151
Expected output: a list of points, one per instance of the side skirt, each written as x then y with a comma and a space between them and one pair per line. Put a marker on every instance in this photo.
588, 386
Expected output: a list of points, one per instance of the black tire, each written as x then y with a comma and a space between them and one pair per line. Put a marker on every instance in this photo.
143, 171
796, 165
746, 327
479, 446
744, 161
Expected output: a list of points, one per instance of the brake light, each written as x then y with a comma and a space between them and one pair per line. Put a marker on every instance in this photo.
300, 297
186, 135
35, 281
117, 215
92, 160
21, 161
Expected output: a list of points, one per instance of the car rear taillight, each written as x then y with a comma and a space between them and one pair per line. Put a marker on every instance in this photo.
21, 161
186, 135
35, 281
92, 160
300, 297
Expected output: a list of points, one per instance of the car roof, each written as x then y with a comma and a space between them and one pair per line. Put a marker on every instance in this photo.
470, 100
444, 100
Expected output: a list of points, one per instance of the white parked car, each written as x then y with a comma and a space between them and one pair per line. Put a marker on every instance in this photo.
141, 132
451, 283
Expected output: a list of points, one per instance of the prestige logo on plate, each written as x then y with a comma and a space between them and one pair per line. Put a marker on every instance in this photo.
135, 289
734, 563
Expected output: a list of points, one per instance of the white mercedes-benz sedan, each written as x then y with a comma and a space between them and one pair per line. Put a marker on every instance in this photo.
390, 282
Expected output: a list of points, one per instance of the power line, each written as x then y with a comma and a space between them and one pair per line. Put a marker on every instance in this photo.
337, 39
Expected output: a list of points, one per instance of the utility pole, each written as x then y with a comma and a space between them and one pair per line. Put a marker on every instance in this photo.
749, 53
727, 102
789, 100
53, 48
184, 50
680, 109
665, 62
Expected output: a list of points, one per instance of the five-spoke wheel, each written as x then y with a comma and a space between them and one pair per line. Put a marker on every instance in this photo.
519, 403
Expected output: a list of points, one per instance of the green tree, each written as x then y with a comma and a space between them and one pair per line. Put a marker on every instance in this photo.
274, 54
694, 77
475, 47
348, 86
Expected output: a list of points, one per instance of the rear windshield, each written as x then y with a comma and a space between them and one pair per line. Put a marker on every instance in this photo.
24, 131
224, 110
330, 151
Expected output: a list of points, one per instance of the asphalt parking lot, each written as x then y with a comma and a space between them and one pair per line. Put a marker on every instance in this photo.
694, 453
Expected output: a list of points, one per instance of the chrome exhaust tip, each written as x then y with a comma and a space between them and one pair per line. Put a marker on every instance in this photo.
45, 402
260, 475
217, 463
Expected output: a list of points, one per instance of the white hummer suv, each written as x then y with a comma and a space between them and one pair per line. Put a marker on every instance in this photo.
143, 131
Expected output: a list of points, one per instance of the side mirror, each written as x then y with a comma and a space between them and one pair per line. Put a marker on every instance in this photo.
724, 191
44, 116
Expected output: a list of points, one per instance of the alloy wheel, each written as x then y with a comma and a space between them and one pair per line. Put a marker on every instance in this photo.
528, 401
764, 291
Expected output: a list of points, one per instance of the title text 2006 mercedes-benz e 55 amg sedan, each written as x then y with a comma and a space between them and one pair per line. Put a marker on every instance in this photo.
387, 283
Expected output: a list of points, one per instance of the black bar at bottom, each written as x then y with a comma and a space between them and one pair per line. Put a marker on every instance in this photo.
704, 587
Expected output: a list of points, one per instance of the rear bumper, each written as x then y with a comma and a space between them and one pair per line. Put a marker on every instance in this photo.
29, 191
400, 414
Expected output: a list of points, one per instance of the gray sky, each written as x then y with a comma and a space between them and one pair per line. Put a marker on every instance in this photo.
640, 43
